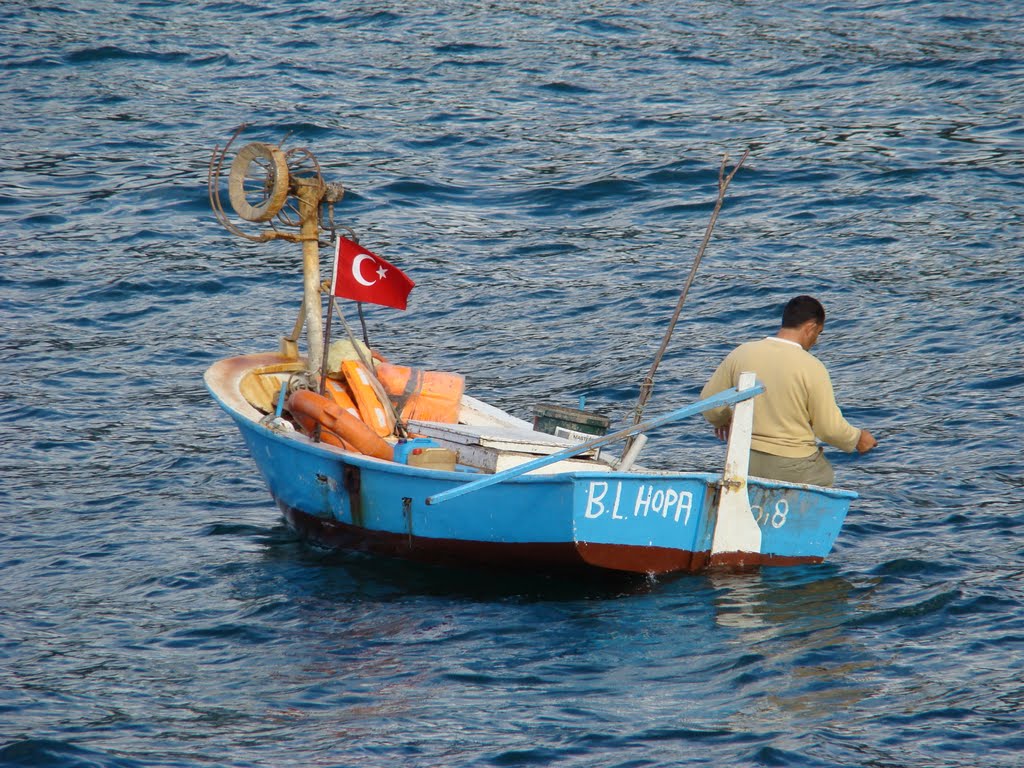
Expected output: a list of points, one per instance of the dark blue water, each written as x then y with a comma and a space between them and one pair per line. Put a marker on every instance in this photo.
544, 172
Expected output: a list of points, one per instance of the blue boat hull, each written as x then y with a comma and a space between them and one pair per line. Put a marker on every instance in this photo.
642, 523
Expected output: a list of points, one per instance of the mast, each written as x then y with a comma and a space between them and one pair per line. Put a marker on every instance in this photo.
285, 190
309, 208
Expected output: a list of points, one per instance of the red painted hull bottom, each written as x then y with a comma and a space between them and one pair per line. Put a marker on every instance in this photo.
554, 556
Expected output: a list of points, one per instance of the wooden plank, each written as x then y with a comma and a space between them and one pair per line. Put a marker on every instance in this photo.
499, 438
492, 460
479, 413
728, 397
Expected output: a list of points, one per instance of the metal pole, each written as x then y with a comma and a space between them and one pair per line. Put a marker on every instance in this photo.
327, 344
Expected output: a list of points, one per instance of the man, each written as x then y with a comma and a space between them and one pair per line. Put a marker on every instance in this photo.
798, 405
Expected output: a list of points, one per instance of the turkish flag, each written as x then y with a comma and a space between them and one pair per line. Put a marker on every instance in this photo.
361, 275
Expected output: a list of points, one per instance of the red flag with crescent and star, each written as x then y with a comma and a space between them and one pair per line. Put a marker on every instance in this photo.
362, 275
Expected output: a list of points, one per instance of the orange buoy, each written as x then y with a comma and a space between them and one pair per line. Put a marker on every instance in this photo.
309, 424
423, 395
338, 392
369, 397
313, 409
335, 390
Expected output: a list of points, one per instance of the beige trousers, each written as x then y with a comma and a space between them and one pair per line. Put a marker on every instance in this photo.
814, 469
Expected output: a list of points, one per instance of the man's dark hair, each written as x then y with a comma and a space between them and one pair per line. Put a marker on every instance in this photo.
801, 309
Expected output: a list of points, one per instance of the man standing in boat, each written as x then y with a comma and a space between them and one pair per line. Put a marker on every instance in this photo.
798, 406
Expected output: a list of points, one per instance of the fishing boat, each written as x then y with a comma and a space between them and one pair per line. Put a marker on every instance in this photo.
364, 454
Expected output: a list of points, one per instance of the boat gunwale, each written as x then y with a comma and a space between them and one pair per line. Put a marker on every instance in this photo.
230, 398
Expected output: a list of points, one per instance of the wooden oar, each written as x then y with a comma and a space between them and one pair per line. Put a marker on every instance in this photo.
728, 397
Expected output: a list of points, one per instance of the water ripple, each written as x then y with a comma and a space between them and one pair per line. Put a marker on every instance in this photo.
545, 174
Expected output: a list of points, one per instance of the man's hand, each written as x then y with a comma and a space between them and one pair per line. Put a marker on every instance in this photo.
722, 433
866, 441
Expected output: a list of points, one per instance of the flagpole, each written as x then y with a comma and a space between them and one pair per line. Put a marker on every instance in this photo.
327, 345
393, 295
362, 321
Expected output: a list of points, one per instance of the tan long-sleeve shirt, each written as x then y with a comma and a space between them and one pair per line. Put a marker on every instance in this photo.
798, 404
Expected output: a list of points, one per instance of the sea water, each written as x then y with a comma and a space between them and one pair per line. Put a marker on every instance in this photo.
545, 173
